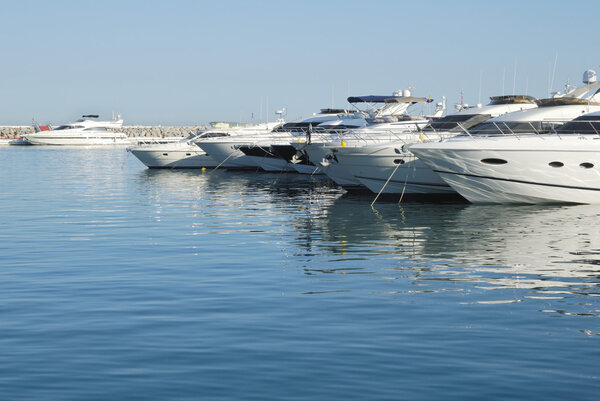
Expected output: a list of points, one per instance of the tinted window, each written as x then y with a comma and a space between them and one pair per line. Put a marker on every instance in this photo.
453, 123
582, 125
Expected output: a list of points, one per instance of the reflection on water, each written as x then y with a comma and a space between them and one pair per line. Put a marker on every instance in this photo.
119, 281
544, 252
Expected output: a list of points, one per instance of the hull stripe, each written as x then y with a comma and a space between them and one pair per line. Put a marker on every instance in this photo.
518, 181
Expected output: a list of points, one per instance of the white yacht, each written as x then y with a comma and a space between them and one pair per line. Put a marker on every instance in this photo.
383, 125
527, 157
257, 152
182, 154
224, 150
278, 153
86, 131
388, 167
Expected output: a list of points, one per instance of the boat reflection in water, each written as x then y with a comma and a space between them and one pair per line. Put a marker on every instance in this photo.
547, 252
482, 254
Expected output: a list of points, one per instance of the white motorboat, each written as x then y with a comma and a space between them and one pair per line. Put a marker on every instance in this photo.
278, 152
224, 150
527, 157
383, 125
86, 131
393, 117
388, 167
256, 151
182, 154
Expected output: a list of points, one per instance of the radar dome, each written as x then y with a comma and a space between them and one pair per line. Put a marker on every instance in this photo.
406, 93
589, 77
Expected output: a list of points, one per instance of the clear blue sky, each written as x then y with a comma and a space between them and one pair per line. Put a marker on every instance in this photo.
190, 62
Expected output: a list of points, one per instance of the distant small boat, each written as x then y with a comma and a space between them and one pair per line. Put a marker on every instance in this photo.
14, 141
86, 131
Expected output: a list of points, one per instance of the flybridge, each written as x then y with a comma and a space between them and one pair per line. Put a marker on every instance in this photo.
388, 99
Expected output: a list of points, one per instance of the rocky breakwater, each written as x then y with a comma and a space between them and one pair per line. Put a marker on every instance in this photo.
139, 131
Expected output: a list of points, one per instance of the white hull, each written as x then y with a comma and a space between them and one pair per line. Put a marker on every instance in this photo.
50, 138
389, 169
317, 153
302, 168
226, 155
551, 170
189, 156
271, 164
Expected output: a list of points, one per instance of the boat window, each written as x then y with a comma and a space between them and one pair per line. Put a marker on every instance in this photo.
62, 127
492, 128
295, 126
213, 135
494, 161
582, 125
556, 164
96, 129
451, 122
586, 165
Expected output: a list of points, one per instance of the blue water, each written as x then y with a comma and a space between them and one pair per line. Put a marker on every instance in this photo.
123, 283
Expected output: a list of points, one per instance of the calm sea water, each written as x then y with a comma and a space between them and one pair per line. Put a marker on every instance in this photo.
123, 283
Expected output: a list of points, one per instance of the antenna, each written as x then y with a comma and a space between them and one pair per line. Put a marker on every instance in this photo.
503, 76
480, 78
553, 71
332, 95
515, 77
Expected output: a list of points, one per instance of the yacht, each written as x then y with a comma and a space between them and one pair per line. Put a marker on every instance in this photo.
278, 153
86, 131
547, 155
383, 125
388, 167
181, 154
224, 150
258, 151
329, 125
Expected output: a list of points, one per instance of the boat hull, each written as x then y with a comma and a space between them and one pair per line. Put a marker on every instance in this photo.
389, 169
191, 157
525, 170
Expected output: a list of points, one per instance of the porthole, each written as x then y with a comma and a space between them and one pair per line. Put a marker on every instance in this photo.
398, 151
188, 154
398, 161
494, 161
586, 165
165, 154
556, 164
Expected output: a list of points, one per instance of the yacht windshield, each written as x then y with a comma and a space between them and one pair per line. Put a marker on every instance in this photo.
582, 125
299, 126
492, 128
68, 127
212, 135
453, 123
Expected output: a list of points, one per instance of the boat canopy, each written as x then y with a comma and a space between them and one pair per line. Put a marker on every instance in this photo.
90, 116
513, 99
564, 101
408, 100
334, 111
387, 99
